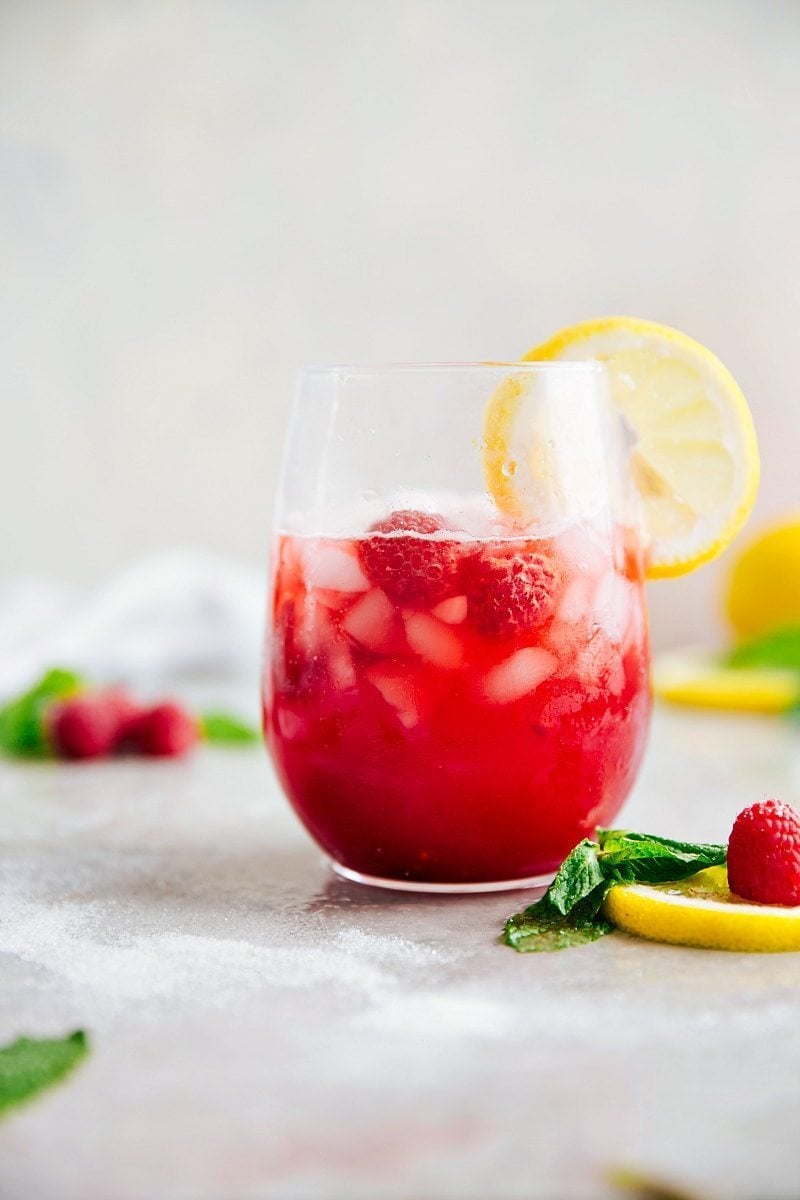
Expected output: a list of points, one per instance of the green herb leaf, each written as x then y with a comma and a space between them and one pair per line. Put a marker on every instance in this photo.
779, 648
31, 1064
221, 727
541, 928
578, 876
21, 723
627, 857
567, 914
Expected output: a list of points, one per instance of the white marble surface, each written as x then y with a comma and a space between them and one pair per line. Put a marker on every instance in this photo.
263, 1031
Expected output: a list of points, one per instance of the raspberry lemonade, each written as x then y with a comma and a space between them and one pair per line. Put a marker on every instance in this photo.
456, 678
445, 709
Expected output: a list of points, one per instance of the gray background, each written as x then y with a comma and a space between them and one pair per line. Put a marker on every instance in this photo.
197, 197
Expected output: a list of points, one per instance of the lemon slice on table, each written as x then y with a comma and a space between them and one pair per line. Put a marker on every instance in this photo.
694, 455
696, 678
701, 911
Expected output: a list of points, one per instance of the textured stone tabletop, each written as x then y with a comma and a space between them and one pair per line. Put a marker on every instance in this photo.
264, 1031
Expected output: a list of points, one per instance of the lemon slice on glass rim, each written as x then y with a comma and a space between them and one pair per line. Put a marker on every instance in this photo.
701, 911
694, 455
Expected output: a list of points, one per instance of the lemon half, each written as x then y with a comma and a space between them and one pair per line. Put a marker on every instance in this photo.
702, 911
694, 456
764, 588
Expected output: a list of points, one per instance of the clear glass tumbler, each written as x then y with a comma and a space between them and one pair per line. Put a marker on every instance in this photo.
456, 671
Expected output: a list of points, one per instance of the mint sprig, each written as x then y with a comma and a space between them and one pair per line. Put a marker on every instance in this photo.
569, 912
627, 857
29, 1065
541, 927
227, 730
21, 719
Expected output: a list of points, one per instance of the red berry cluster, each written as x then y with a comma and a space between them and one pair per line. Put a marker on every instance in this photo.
97, 724
509, 591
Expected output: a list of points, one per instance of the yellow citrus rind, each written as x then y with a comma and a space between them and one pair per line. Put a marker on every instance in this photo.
499, 420
701, 911
693, 677
695, 455
763, 590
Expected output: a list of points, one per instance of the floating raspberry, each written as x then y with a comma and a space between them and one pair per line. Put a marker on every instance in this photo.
167, 730
764, 854
411, 570
509, 591
84, 726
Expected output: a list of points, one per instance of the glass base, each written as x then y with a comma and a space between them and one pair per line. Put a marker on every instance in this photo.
446, 889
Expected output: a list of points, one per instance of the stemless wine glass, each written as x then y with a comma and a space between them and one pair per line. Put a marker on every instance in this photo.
456, 673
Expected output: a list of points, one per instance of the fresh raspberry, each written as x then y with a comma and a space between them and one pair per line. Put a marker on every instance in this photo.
83, 726
764, 853
509, 591
410, 570
125, 711
165, 730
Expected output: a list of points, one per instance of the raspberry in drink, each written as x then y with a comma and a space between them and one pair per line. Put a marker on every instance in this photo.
453, 709
456, 676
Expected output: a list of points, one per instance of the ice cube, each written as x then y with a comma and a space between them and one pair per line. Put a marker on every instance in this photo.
288, 557
636, 635
452, 611
564, 641
565, 704
518, 675
333, 567
611, 606
398, 691
599, 666
433, 641
289, 724
576, 600
312, 624
340, 666
584, 550
334, 600
371, 622
616, 676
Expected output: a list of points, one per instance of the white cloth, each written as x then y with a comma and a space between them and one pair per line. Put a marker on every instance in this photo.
171, 616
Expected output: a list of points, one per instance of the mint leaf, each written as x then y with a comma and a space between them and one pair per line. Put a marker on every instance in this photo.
31, 1064
627, 857
21, 724
780, 648
228, 730
577, 877
567, 914
541, 928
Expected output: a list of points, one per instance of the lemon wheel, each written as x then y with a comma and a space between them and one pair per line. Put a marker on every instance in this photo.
702, 911
694, 455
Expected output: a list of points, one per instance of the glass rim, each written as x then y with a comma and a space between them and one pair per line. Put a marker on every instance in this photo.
588, 365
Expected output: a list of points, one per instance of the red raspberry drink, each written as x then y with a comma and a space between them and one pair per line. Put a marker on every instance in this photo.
452, 710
